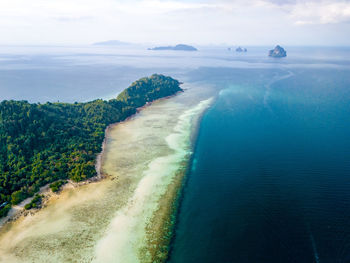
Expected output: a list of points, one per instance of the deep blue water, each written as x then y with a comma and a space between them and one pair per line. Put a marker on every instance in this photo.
270, 177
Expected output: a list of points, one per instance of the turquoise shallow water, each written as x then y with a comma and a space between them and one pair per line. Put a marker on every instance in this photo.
269, 181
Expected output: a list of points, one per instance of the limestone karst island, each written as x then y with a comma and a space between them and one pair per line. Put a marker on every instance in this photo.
277, 52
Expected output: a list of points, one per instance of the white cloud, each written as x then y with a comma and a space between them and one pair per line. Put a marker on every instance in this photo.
169, 21
321, 12
303, 12
153, 7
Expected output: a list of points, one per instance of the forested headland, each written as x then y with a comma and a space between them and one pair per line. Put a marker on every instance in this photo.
45, 143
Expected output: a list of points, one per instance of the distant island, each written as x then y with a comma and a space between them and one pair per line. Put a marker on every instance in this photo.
277, 52
49, 143
177, 47
240, 49
111, 43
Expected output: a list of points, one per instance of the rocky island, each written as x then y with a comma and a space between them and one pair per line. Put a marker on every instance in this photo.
178, 47
240, 49
277, 52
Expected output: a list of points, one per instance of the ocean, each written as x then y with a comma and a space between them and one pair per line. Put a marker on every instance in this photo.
270, 158
269, 179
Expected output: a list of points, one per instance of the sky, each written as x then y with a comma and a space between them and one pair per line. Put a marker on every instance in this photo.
202, 22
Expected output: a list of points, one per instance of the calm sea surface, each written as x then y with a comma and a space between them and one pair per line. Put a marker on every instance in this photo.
270, 176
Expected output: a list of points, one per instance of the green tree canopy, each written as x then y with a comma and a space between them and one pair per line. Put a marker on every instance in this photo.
44, 143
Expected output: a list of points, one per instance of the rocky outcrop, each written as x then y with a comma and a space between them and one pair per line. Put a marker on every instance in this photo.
240, 49
277, 52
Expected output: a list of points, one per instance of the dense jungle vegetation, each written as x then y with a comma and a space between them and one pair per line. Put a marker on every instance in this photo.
45, 143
